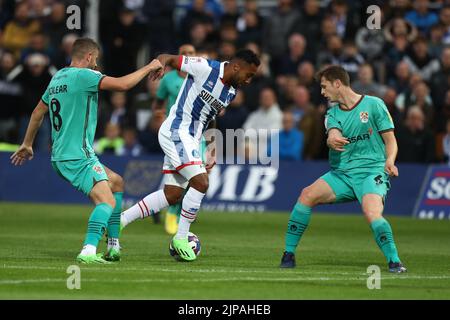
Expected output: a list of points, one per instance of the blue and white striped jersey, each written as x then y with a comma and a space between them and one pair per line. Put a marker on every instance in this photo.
201, 97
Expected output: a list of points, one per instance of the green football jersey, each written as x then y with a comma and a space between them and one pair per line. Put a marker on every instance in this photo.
169, 87
362, 126
72, 99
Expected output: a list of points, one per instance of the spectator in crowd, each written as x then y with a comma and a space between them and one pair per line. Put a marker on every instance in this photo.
420, 61
10, 94
250, 24
197, 17
143, 102
64, 51
277, 28
111, 142
227, 50
415, 140
439, 82
160, 25
328, 29
332, 53
18, 32
305, 73
131, 146
446, 142
400, 81
290, 139
420, 97
33, 76
399, 28
422, 17
308, 120
230, 12
444, 114
148, 138
365, 84
252, 91
389, 97
296, 54
234, 118
351, 59
37, 44
55, 26
444, 17
125, 39
310, 25
436, 44
268, 117
345, 24
370, 42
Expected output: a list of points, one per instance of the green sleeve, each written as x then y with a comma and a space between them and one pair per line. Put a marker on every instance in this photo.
331, 121
163, 92
383, 119
89, 80
44, 97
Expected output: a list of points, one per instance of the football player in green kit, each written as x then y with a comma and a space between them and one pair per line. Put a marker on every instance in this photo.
71, 99
362, 156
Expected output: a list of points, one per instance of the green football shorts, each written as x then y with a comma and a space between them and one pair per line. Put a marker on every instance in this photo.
349, 188
82, 173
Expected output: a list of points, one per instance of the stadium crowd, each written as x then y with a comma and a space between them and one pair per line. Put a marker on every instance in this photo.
406, 62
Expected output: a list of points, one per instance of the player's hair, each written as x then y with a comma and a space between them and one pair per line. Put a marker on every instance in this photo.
82, 46
248, 56
332, 73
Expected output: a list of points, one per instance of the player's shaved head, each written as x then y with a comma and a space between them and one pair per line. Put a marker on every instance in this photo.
186, 50
83, 46
333, 73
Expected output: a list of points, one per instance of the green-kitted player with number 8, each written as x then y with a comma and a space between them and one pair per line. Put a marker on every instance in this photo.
71, 99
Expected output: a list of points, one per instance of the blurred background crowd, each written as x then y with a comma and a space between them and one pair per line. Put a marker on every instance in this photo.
406, 62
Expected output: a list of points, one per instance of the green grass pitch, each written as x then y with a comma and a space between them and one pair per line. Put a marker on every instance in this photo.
239, 259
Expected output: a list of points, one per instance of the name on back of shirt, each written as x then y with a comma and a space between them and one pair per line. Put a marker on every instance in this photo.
57, 89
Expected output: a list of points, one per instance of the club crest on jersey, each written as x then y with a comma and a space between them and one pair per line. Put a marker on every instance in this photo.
195, 154
210, 84
364, 116
97, 169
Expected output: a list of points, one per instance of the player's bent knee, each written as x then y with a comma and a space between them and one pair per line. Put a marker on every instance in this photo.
200, 183
117, 183
307, 197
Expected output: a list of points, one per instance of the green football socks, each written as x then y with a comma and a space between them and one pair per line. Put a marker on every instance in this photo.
97, 223
114, 221
385, 240
298, 222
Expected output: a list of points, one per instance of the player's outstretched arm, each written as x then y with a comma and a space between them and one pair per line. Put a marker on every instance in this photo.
170, 60
129, 81
25, 151
391, 152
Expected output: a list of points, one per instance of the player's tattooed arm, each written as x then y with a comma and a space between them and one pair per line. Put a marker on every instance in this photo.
391, 152
25, 151
335, 140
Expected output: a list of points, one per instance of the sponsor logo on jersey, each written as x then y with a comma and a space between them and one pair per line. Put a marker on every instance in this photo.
209, 99
357, 138
364, 116
98, 169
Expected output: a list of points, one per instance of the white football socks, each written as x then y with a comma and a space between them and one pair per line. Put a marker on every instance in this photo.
151, 204
88, 250
191, 204
113, 243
